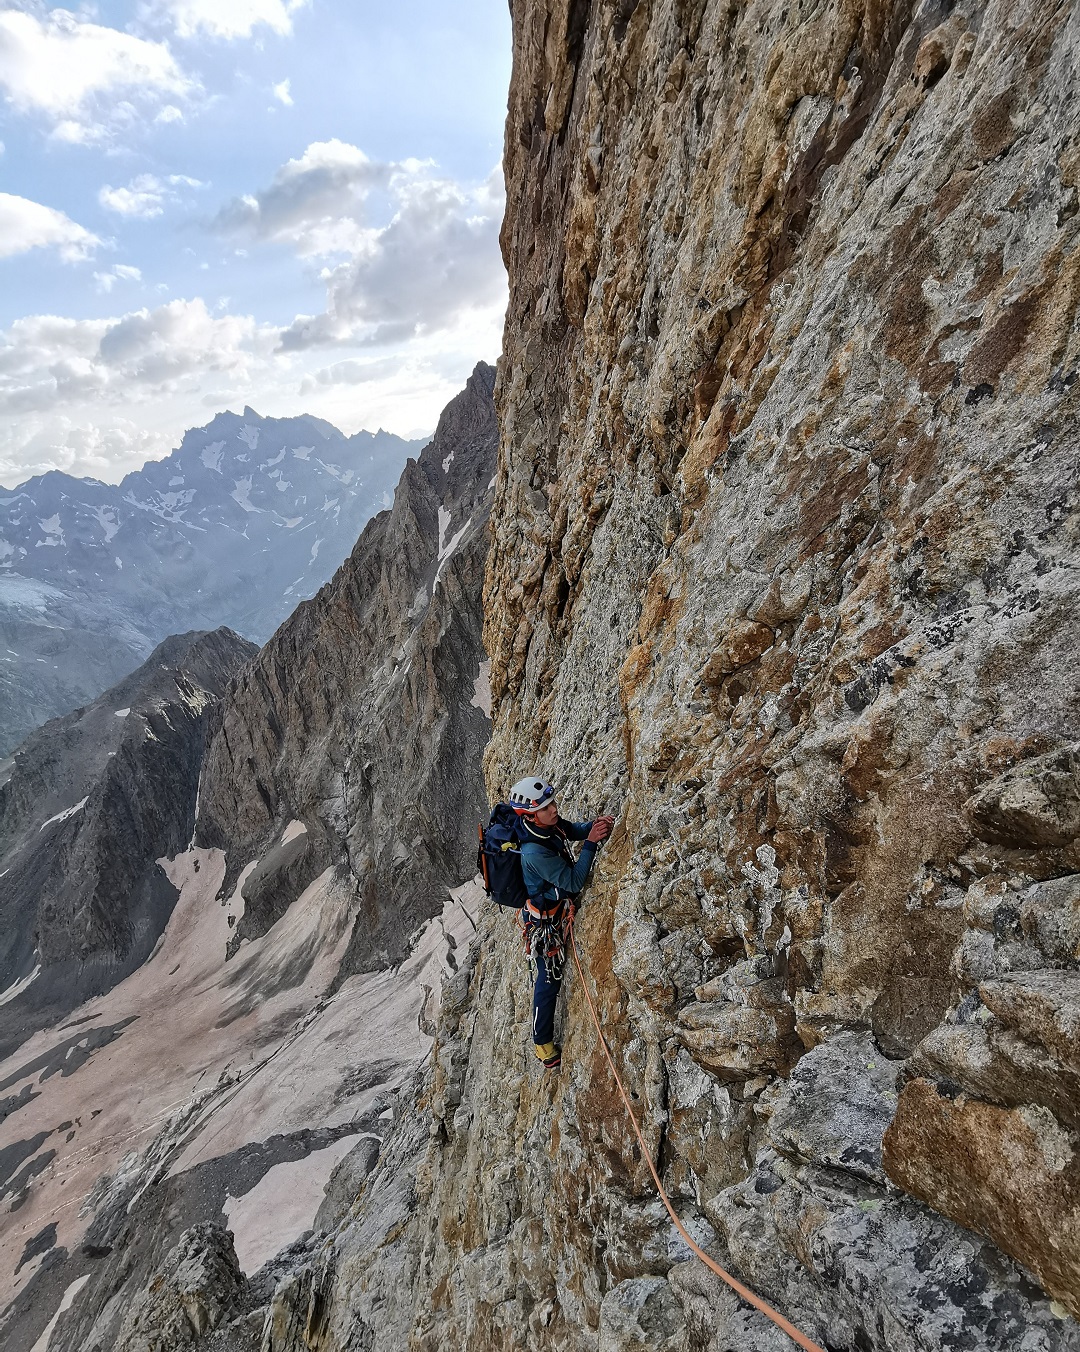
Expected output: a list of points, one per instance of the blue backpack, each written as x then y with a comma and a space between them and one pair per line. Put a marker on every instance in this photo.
498, 859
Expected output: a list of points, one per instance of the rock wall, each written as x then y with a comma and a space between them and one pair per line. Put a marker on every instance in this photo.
783, 574
364, 716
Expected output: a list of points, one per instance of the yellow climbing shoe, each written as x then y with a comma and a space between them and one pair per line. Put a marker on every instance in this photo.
549, 1054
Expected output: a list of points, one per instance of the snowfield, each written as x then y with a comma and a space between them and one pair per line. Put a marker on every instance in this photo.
262, 1026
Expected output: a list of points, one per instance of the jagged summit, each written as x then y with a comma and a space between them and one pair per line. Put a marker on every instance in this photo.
386, 719
246, 517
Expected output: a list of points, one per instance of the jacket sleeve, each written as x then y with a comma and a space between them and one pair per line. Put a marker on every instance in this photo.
555, 870
575, 830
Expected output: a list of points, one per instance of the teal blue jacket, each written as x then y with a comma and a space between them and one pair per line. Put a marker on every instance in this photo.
547, 861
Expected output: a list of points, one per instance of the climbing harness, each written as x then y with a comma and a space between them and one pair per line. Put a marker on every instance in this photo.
544, 934
778, 1319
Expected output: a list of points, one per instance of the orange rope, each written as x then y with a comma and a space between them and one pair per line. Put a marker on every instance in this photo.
778, 1319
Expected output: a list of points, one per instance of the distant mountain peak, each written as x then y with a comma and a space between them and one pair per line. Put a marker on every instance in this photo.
245, 518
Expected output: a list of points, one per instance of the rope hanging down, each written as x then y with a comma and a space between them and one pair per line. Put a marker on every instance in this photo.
778, 1319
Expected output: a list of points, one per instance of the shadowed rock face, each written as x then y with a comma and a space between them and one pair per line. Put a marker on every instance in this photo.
365, 715
783, 574
91, 802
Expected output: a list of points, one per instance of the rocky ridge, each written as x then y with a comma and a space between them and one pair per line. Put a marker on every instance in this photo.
246, 517
254, 1056
90, 802
366, 715
783, 574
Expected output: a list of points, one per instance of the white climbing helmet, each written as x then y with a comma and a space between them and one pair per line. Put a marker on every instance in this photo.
530, 794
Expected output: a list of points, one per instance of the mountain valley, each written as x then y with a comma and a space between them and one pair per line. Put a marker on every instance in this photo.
247, 517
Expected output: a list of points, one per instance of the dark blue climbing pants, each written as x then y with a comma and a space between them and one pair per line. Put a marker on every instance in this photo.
545, 993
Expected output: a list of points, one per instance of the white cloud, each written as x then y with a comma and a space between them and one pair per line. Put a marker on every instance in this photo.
46, 361
122, 272
60, 375
435, 259
106, 449
317, 204
146, 195
351, 372
72, 71
281, 93
26, 225
225, 18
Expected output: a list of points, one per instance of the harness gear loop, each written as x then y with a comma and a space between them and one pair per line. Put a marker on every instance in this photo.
778, 1319
544, 934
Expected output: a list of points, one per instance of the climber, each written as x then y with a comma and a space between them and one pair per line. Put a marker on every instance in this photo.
553, 879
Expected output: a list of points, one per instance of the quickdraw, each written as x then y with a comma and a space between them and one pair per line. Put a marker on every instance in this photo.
545, 934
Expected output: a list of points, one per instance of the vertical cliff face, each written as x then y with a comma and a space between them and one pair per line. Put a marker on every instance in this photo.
783, 574
364, 716
784, 571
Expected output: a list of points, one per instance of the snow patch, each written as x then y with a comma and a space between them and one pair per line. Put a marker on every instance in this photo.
107, 521
211, 455
65, 1304
294, 829
315, 551
24, 593
6, 550
118, 561
249, 436
292, 521
17, 989
122, 713
269, 464
302, 452
481, 697
63, 816
446, 552
282, 1205
444, 526
242, 494
235, 1051
447, 462
177, 481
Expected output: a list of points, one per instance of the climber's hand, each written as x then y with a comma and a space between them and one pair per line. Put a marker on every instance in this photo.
600, 829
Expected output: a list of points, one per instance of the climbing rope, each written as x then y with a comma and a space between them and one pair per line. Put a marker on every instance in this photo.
778, 1319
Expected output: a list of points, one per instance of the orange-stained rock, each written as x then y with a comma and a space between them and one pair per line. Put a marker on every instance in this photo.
1011, 1174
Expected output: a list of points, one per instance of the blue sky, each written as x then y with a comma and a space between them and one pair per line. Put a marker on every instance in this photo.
212, 203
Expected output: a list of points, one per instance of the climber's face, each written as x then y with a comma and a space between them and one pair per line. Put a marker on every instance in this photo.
548, 815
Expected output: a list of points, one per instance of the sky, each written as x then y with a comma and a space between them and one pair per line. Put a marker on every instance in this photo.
207, 204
